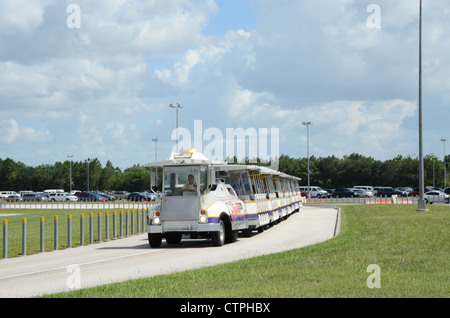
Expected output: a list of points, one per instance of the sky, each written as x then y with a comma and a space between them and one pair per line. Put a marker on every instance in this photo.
94, 79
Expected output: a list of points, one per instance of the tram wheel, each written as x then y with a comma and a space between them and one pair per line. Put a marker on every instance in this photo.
218, 238
154, 240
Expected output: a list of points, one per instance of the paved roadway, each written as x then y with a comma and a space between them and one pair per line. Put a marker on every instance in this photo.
132, 258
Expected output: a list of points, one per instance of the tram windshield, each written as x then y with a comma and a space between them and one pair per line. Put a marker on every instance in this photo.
184, 181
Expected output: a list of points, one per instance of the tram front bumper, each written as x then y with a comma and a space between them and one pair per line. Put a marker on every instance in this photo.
183, 226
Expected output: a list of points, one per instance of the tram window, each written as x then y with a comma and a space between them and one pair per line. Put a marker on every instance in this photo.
182, 183
240, 181
203, 179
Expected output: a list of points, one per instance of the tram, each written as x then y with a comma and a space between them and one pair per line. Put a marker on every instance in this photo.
205, 198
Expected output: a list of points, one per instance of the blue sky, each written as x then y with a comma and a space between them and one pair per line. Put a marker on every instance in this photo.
231, 15
102, 90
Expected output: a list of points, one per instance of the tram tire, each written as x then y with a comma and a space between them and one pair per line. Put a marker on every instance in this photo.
154, 240
232, 236
218, 238
173, 238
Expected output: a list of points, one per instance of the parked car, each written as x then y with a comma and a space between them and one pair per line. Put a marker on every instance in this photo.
42, 197
389, 192
415, 191
365, 188
344, 193
120, 195
316, 192
10, 196
436, 196
108, 197
151, 196
62, 197
90, 196
138, 197
405, 190
33, 197
363, 193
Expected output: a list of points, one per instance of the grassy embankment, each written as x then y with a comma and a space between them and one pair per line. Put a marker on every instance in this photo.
411, 249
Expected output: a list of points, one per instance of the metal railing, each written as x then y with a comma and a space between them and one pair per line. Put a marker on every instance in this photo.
124, 223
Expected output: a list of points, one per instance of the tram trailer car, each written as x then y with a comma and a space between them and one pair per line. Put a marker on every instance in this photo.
204, 198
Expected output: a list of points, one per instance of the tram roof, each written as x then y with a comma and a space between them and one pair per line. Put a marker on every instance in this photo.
192, 157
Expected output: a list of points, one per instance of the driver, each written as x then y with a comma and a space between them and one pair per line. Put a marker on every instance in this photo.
191, 186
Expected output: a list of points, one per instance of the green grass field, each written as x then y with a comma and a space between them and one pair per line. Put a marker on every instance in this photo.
411, 249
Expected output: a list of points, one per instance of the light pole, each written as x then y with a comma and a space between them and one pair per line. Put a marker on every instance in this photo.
70, 172
176, 106
88, 162
445, 172
307, 124
156, 159
421, 206
156, 148
434, 174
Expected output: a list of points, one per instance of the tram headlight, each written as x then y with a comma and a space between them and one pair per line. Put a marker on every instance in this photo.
157, 219
203, 217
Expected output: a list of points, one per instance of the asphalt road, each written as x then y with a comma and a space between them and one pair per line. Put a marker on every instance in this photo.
132, 258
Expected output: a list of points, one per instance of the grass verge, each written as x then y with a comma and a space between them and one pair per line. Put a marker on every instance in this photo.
411, 249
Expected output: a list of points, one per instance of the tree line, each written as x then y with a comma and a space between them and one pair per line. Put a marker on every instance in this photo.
326, 172
332, 172
16, 176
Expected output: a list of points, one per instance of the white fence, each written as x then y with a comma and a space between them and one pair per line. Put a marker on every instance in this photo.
76, 205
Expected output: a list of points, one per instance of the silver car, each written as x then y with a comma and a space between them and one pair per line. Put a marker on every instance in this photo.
436, 196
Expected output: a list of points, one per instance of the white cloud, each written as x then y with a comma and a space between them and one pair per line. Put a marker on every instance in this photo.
22, 15
100, 86
12, 133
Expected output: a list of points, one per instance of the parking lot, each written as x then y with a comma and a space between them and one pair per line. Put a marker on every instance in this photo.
375, 195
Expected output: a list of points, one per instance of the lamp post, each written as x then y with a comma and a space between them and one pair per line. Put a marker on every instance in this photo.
156, 148
88, 162
176, 106
421, 206
307, 124
70, 172
156, 159
445, 172
434, 174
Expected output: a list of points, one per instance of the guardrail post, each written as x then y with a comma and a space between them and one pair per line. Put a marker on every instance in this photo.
24, 236
114, 225
106, 226
138, 219
55, 232
132, 221
121, 223
127, 222
99, 236
5, 238
91, 228
81, 229
42, 222
69, 230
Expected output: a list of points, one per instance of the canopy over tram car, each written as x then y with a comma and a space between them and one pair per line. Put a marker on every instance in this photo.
206, 198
